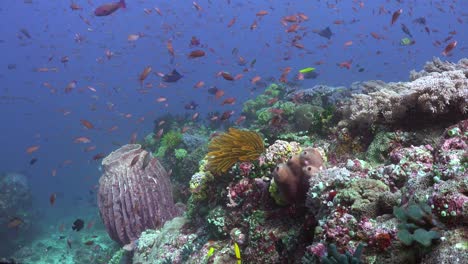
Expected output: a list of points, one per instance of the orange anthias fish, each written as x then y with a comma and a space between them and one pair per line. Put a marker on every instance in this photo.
52, 198
196, 54
255, 79
345, 64
82, 140
227, 76
107, 9
230, 101
32, 149
449, 48
170, 48
87, 124
144, 74
396, 15
262, 13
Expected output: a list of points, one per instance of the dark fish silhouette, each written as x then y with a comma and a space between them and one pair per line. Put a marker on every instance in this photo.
78, 225
174, 76
213, 90
146, 160
420, 20
32, 161
406, 30
326, 32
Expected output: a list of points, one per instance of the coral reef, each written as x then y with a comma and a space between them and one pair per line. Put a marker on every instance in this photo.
393, 194
231, 147
134, 193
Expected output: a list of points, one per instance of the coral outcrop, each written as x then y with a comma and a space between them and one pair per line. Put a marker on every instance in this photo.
429, 95
134, 193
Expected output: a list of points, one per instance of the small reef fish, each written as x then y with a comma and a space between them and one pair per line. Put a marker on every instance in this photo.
82, 140
449, 48
135, 160
107, 9
32, 161
16, 222
396, 15
78, 225
87, 124
52, 198
32, 149
171, 77
196, 54
144, 74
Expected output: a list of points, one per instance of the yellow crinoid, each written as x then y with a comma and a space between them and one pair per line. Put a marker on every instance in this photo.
231, 147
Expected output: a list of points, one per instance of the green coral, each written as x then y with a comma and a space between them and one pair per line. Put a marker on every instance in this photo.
417, 225
252, 106
264, 116
200, 181
317, 120
117, 257
216, 223
257, 218
276, 195
362, 195
334, 256
288, 108
180, 153
169, 141
274, 90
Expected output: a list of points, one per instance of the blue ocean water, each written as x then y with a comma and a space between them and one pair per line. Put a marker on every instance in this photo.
37, 111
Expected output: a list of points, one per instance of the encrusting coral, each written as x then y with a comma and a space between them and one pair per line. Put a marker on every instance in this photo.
292, 177
231, 147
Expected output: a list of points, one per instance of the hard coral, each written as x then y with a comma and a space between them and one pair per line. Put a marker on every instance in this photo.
427, 98
231, 147
292, 177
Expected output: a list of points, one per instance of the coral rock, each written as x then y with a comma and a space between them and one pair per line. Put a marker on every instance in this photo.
134, 193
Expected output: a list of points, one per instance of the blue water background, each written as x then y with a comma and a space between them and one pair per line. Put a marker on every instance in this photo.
39, 119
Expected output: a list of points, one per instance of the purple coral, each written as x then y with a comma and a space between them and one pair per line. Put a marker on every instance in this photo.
134, 193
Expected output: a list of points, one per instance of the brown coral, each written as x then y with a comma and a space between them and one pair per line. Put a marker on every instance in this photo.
292, 177
231, 147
